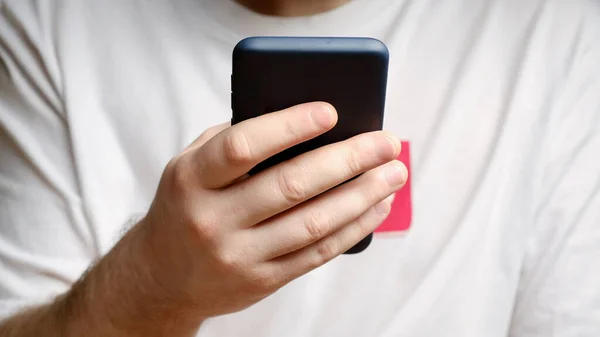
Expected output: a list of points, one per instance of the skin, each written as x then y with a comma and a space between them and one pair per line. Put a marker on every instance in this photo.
216, 241
291, 8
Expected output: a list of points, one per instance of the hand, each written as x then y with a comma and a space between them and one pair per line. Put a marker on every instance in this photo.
222, 241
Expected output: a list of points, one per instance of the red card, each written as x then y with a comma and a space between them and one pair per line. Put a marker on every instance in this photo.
400, 217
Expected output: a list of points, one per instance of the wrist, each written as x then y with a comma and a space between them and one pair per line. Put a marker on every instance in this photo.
126, 294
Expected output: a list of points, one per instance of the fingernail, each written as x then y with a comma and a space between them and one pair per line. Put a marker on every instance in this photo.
391, 198
323, 116
395, 142
384, 207
396, 174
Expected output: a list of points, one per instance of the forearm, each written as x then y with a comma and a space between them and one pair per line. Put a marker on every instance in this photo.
41, 321
119, 296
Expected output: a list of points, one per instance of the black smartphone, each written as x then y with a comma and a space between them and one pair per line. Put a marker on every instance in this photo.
274, 73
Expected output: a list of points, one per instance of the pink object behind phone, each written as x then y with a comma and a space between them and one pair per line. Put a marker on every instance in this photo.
400, 217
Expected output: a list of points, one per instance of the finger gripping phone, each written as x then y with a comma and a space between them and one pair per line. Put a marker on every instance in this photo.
274, 73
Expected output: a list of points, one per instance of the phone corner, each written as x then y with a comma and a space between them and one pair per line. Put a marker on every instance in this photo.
244, 45
380, 48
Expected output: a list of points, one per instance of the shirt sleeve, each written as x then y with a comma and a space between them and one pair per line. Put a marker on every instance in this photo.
45, 240
559, 293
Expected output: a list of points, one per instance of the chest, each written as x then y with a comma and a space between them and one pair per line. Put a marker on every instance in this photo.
469, 126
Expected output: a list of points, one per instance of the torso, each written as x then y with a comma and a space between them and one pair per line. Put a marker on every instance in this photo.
464, 90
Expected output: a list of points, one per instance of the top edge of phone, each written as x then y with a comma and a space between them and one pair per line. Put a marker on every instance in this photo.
311, 44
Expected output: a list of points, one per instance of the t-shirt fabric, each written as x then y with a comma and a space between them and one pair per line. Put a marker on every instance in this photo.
499, 100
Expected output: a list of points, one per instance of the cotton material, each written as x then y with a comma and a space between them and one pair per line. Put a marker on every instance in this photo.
500, 101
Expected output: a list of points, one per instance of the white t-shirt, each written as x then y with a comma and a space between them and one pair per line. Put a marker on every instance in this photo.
500, 101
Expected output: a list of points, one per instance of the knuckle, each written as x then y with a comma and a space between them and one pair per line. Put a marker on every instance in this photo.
326, 250
370, 195
365, 224
265, 282
291, 128
373, 189
206, 225
230, 262
179, 173
315, 226
353, 162
292, 185
214, 130
237, 148
207, 135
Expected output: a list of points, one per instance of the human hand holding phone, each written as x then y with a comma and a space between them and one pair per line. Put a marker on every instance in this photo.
217, 240
229, 241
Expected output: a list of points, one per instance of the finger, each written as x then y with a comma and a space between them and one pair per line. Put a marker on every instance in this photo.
290, 183
318, 218
300, 262
233, 152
